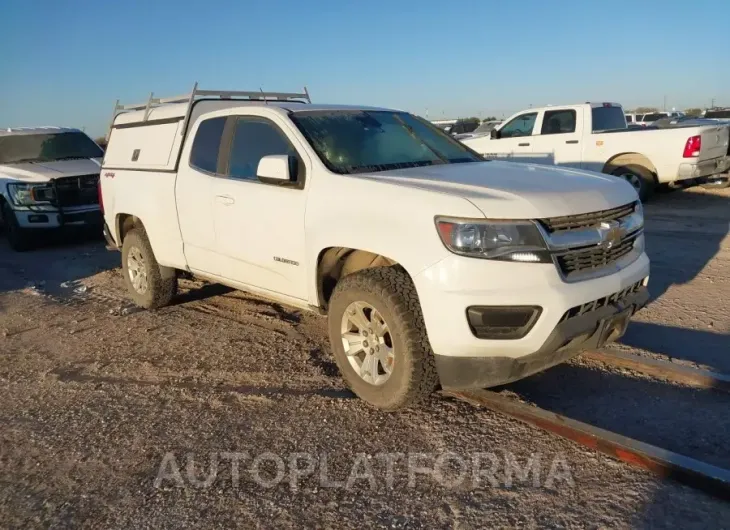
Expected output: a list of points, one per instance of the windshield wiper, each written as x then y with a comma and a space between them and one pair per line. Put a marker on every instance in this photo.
388, 167
413, 134
70, 157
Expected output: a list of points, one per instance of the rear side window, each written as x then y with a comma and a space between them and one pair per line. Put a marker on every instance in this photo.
207, 144
629, 119
608, 118
558, 122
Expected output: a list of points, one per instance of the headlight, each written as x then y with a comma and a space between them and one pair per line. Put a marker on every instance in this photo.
503, 240
29, 194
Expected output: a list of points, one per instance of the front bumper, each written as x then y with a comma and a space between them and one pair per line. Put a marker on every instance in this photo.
448, 288
49, 218
570, 337
706, 168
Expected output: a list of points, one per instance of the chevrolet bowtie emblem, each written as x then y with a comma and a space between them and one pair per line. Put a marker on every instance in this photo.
611, 234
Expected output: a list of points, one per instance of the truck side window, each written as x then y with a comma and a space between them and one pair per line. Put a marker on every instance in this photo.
207, 143
253, 139
558, 122
521, 125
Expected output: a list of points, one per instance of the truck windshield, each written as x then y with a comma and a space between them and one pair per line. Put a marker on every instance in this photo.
47, 147
608, 119
363, 141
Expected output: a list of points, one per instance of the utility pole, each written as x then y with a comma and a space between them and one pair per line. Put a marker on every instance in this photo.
665, 103
712, 103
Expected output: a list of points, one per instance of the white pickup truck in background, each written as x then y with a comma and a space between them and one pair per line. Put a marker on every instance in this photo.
595, 136
49, 179
433, 265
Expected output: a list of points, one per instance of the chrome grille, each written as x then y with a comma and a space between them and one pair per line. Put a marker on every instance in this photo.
593, 258
77, 191
586, 220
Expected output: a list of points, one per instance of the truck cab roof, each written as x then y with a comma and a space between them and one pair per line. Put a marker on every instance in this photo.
19, 131
591, 104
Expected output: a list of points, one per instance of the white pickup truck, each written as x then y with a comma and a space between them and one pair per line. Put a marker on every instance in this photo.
433, 265
49, 179
594, 136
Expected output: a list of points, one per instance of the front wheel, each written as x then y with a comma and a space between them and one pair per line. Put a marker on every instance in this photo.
379, 340
150, 285
640, 178
19, 239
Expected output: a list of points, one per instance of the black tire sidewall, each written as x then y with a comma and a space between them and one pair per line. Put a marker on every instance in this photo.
18, 238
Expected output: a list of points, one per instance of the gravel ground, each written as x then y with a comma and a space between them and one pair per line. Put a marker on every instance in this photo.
115, 417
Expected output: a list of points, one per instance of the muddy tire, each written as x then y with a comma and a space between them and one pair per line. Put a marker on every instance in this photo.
380, 305
149, 285
640, 178
20, 239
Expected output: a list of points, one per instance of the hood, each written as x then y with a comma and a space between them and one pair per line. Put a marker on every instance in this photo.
45, 171
511, 190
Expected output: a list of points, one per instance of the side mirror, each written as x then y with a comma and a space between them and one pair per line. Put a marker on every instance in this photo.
275, 169
494, 134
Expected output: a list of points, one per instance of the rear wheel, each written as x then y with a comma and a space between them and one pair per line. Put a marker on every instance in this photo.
19, 239
150, 285
379, 338
640, 178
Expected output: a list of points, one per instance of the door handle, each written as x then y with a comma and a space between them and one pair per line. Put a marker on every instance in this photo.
225, 199
571, 141
523, 145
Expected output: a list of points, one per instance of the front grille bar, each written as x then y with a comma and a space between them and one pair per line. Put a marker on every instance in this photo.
584, 245
586, 220
594, 258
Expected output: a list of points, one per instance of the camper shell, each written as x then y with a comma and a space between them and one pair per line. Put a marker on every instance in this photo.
149, 136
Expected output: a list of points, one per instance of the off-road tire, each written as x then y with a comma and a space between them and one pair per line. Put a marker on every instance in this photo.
391, 291
645, 178
161, 284
20, 239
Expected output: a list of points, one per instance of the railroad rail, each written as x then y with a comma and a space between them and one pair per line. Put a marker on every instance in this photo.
662, 369
666, 464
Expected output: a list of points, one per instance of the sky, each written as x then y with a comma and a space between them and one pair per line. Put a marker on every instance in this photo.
65, 62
